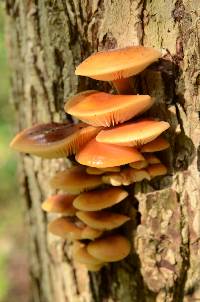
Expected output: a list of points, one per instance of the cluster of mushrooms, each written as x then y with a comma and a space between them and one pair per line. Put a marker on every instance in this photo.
110, 152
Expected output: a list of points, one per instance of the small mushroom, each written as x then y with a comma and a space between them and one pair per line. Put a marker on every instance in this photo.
100, 155
139, 164
81, 255
110, 248
99, 199
75, 180
151, 159
157, 170
117, 65
126, 177
158, 144
104, 109
97, 171
53, 140
67, 228
94, 267
115, 179
60, 203
133, 134
102, 220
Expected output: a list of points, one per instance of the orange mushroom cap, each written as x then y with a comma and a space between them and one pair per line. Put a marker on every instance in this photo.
117, 63
104, 109
60, 203
99, 199
66, 228
75, 180
156, 170
110, 248
158, 144
102, 220
133, 134
100, 155
53, 140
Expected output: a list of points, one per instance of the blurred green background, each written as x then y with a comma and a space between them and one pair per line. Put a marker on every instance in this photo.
13, 263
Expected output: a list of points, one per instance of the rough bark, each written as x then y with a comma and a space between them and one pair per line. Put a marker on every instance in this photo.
47, 39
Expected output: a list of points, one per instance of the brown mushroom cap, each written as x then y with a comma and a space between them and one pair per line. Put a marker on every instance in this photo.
133, 134
100, 155
99, 199
60, 203
97, 171
104, 109
81, 255
69, 229
118, 63
103, 220
109, 249
156, 170
53, 140
75, 180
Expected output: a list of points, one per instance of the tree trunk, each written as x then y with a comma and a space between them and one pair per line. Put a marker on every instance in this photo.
47, 39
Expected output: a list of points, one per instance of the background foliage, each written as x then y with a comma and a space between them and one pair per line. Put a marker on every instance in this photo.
12, 237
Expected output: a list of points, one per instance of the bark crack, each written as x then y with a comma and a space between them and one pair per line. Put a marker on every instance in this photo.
143, 20
178, 294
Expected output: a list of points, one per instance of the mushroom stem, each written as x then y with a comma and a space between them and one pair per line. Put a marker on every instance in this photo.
123, 86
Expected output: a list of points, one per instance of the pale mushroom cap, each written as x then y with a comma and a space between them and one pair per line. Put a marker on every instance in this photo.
133, 175
68, 229
94, 171
103, 220
99, 199
150, 159
100, 155
157, 170
126, 177
104, 109
94, 267
118, 63
133, 134
114, 179
109, 249
53, 140
60, 203
81, 255
97, 171
157, 144
75, 180
111, 169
